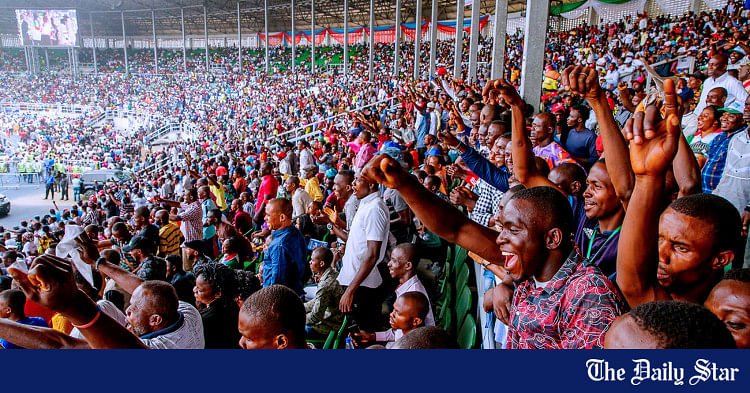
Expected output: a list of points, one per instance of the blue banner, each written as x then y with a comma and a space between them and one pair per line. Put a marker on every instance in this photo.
384, 370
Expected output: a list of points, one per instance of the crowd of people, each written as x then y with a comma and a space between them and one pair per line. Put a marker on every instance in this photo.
614, 215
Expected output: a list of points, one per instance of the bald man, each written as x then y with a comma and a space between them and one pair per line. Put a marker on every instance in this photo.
284, 263
718, 77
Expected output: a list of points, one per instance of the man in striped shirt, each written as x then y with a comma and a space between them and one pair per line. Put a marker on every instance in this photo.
170, 236
191, 217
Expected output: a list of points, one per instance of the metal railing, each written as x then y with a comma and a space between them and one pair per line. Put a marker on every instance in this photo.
296, 131
47, 107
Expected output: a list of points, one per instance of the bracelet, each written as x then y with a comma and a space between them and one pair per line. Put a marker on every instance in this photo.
93, 321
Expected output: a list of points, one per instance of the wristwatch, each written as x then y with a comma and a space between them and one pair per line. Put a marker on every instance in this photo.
330, 227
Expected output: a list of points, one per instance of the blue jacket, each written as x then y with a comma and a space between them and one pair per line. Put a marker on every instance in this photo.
487, 171
285, 261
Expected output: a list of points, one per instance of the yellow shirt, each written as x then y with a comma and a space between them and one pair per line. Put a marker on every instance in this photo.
312, 186
221, 202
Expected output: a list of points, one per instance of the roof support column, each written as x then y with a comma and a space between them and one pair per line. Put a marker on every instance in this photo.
433, 36
205, 35
417, 39
397, 41
474, 39
153, 31
184, 50
498, 44
312, 34
93, 44
346, 42
124, 44
458, 54
239, 34
372, 42
532, 63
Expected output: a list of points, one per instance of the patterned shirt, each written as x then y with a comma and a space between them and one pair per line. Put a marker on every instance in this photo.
735, 183
717, 158
364, 155
127, 261
487, 204
572, 311
169, 240
192, 221
553, 154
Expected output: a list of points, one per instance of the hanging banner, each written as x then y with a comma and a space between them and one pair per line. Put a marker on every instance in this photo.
320, 36
288, 38
274, 39
354, 35
408, 30
383, 35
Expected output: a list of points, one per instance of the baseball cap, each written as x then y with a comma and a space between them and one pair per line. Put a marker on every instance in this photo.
431, 105
394, 151
734, 107
138, 243
196, 245
557, 107
331, 172
434, 152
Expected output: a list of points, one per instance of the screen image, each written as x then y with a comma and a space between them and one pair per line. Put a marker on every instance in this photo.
48, 27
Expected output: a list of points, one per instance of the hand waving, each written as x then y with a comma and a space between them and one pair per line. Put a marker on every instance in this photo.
386, 171
654, 140
583, 81
501, 88
49, 282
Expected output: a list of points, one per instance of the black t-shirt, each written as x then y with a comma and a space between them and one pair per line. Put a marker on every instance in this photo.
220, 325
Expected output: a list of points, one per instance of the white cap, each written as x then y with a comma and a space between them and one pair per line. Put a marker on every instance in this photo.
431, 105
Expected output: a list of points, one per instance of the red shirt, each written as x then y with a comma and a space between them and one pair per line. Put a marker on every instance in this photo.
572, 311
268, 187
32, 309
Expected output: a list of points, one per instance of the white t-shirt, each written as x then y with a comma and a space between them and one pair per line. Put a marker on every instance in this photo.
187, 335
371, 222
108, 308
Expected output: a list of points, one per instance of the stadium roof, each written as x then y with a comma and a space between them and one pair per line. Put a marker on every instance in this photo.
222, 14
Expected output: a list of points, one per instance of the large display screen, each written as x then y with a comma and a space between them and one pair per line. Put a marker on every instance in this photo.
48, 27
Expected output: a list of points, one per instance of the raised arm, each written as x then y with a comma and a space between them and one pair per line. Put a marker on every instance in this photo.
584, 81
90, 254
50, 283
653, 147
37, 337
524, 167
450, 224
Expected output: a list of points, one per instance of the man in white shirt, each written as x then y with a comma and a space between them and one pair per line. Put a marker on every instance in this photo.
718, 77
365, 249
300, 197
306, 156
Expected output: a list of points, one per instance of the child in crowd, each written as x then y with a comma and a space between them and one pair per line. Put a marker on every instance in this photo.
409, 313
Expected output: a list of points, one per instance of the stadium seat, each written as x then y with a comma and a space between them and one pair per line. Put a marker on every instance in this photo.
322, 343
341, 333
463, 302
446, 298
446, 319
462, 277
467, 333
329, 340
460, 255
